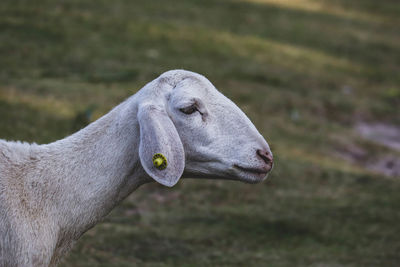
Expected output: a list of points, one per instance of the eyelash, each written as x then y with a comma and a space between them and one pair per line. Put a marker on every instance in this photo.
189, 110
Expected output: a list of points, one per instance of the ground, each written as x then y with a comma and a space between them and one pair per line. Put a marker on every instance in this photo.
307, 72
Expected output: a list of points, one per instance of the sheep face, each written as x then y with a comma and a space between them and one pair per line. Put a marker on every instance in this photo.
218, 138
200, 131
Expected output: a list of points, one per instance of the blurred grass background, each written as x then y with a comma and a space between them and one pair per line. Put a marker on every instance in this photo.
305, 71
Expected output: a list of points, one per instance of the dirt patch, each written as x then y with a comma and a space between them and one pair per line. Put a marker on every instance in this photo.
388, 136
384, 134
385, 160
388, 165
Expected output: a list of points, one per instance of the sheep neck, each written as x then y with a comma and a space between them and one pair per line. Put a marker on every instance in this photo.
93, 170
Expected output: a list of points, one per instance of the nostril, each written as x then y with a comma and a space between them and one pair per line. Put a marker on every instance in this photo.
265, 155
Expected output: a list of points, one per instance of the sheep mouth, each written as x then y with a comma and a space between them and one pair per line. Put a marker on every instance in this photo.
251, 170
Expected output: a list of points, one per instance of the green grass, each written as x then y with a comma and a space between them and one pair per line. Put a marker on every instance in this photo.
304, 71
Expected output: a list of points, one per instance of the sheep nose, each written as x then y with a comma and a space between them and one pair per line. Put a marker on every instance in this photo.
265, 156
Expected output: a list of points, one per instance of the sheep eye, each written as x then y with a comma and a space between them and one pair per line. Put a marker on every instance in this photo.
188, 110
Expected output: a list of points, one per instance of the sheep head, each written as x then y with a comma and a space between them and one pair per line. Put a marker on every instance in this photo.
201, 132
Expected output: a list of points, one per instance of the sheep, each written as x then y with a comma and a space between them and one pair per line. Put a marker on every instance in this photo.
51, 194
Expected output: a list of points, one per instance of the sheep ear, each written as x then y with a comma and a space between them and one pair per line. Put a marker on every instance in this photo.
158, 136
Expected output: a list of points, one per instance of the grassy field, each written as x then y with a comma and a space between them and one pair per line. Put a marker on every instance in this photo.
305, 71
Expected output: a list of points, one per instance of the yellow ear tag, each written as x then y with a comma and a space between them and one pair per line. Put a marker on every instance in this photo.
160, 161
